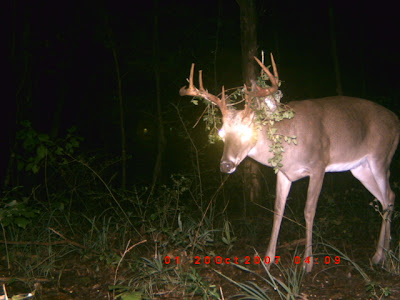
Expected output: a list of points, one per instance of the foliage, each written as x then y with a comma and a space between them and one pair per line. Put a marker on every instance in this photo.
212, 120
392, 262
377, 291
163, 216
287, 286
227, 235
40, 149
153, 278
266, 115
16, 209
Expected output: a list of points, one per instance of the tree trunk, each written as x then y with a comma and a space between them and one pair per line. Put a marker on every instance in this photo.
121, 103
121, 119
248, 26
161, 135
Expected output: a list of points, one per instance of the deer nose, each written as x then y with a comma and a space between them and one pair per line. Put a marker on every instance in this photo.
227, 167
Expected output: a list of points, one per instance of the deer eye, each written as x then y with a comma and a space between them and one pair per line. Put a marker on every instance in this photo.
221, 133
245, 133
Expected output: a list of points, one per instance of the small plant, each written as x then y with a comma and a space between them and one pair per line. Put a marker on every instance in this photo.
289, 288
155, 279
16, 210
227, 235
377, 291
39, 148
197, 286
392, 261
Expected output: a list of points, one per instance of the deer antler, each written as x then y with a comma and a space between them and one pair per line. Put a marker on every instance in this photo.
262, 92
257, 91
203, 93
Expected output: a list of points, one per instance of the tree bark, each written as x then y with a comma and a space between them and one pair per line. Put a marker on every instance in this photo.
161, 135
248, 26
121, 103
121, 119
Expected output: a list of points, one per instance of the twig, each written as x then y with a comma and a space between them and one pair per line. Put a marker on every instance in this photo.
205, 212
198, 120
68, 240
24, 279
108, 189
127, 249
229, 104
34, 243
196, 153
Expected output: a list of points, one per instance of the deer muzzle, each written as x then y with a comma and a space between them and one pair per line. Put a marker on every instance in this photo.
227, 166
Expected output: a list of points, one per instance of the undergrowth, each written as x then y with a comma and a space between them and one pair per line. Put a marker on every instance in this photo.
75, 212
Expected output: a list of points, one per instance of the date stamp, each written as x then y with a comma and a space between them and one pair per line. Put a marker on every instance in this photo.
256, 260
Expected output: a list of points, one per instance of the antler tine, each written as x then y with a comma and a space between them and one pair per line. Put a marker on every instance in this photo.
274, 68
191, 85
202, 92
273, 78
191, 90
201, 80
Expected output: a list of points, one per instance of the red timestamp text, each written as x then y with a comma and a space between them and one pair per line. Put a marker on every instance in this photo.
247, 260
316, 260
218, 260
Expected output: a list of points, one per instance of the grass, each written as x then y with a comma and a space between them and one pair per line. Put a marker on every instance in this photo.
165, 229
287, 285
76, 222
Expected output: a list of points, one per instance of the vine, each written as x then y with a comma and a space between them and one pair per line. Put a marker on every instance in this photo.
268, 110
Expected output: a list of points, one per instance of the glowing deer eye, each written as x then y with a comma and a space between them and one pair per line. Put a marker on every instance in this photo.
245, 133
221, 133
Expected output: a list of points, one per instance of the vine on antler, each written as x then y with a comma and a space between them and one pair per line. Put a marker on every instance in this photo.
262, 99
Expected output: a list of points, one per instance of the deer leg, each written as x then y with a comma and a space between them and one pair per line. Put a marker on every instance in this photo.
381, 175
377, 182
384, 237
282, 190
314, 189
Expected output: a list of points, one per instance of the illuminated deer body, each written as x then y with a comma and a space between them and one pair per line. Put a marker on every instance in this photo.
334, 134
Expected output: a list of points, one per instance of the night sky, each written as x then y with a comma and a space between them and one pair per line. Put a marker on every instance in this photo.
64, 74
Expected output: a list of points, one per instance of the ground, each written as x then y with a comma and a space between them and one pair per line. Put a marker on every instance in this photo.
83, 278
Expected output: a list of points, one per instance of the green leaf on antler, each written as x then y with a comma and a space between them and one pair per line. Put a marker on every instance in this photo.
266, 115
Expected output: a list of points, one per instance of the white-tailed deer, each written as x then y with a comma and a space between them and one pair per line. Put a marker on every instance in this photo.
334, 134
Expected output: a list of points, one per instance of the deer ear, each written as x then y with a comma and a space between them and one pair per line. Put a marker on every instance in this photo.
271, 103
269, 100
